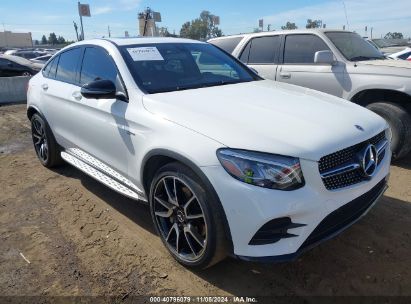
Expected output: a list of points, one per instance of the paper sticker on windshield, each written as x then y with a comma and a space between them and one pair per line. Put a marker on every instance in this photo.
145, 53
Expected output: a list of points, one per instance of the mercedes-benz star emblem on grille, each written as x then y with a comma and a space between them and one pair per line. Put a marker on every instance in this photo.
359, 127
369, 160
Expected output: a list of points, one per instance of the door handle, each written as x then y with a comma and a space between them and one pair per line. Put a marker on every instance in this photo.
77, 95
285, 75
45, 86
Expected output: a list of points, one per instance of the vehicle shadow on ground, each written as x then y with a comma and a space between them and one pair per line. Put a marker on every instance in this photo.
137, 211
403, 163
358, 262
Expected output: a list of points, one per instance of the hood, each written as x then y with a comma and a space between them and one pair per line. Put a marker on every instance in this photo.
388, 63
269, 116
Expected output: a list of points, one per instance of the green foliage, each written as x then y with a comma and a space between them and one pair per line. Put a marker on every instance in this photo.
61, 40
394, 35
289, 26
201, 28
52, 39
313, 23
43, 40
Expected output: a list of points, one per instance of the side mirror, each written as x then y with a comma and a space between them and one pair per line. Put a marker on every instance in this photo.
99, 89
324, 57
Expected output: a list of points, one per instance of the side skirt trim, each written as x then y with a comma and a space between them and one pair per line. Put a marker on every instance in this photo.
101, 176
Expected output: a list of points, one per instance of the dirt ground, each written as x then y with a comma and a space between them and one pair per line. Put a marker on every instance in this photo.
62, 233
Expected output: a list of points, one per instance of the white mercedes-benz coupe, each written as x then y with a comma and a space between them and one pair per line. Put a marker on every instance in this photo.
230, 163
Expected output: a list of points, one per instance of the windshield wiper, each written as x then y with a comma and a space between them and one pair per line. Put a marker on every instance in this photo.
363, 58
196, 86
223, 82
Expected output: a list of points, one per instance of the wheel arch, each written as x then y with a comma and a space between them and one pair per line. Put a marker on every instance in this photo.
31, 110
368, 96
157, 158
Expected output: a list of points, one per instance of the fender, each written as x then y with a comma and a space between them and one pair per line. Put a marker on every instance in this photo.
196, 170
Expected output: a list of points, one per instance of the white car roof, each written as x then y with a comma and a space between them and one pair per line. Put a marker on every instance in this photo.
144, 40
282, 32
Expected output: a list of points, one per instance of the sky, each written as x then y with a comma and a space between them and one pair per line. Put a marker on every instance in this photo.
236, 16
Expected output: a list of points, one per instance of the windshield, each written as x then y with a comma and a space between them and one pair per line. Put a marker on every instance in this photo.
165, 67
353, 47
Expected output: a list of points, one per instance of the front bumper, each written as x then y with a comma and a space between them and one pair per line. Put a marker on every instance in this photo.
317, 209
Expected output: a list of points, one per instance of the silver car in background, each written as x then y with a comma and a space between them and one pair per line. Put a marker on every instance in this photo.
336, 62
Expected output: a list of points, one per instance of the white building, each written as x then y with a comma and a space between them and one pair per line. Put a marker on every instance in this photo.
10, 39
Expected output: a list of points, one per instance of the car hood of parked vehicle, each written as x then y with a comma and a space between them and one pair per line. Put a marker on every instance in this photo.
389, 63
270, 117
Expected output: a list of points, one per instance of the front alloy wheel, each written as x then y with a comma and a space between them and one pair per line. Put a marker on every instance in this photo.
180, 218
188, 217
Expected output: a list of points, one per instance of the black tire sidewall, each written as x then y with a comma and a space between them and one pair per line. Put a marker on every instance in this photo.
400, 123
53, 150
186, 175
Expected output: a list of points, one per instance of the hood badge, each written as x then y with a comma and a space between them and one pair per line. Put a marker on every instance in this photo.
359, 128
369, 161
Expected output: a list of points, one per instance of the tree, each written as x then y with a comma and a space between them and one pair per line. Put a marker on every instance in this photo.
256, 30
201, 28
61, 40
313, 23
36, 42
163, 32
394, 35
52, 39
289, 26
43, 40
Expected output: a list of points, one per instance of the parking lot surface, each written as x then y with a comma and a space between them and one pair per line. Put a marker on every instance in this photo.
62, 233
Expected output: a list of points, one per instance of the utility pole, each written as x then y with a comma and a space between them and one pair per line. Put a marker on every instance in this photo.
371, 32
109, 32
148, 11
76, 29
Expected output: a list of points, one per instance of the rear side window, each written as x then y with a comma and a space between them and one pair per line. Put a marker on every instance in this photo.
245, 53
302, 48
264, 50
4, 62
405, 56
67, 66
50, 69
97, 65
227, 44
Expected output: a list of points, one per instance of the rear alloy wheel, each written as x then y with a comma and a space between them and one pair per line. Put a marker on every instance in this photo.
44, 143
183, 219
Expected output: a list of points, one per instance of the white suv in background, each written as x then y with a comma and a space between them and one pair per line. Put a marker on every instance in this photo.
336, 62
230, 164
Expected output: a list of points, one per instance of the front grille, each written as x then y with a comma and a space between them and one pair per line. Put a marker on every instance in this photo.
344, 216
344, 157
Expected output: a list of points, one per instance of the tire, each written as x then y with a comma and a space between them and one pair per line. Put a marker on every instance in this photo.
400, 124
45, 145
168, 214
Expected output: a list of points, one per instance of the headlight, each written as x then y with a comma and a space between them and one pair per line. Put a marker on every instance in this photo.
262, 169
